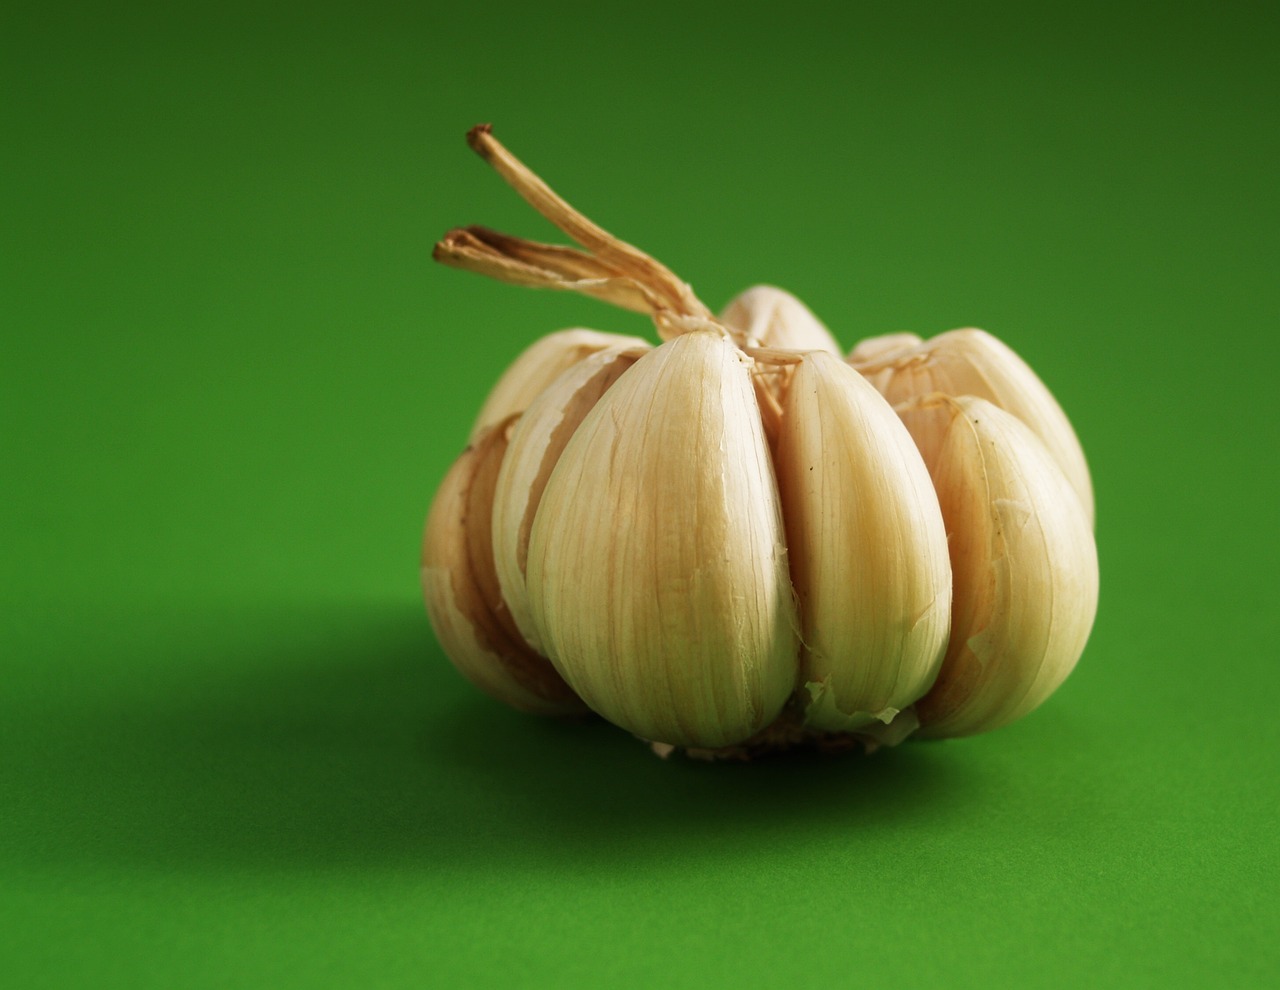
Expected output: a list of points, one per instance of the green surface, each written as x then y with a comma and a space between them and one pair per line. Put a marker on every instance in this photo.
231, 752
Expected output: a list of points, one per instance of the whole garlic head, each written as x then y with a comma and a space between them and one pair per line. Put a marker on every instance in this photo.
736, 541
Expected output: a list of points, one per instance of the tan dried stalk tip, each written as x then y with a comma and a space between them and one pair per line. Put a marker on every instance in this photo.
732, 543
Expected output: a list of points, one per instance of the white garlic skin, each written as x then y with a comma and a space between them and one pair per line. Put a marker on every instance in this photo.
460, 601
537, 367
657, 570
1024, 568
973, 362
867, 547
773, 317
537, 441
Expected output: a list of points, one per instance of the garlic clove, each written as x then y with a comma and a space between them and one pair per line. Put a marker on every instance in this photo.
657, 569
1024, 567
459, 587
867, 548
773, 317
882, 347
537, 366
973, 362
537, 442
768, 318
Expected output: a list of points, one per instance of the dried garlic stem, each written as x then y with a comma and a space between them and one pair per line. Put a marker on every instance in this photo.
552, 257
627, 259
609, 269
539, 266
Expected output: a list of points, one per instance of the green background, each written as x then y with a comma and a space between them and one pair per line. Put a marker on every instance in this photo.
232, 752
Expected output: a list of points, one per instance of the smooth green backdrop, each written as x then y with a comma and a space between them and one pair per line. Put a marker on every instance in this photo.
231, 752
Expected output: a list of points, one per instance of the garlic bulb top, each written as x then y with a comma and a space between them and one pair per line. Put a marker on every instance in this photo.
767, 316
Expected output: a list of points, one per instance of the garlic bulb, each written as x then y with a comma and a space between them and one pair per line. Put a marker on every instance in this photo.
737, 541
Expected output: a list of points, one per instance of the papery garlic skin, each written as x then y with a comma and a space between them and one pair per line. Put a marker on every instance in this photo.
1024, 568
476, 637
657, 571
973, 362
537, 367
867, 547
772, 317
884, 346
538, 440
